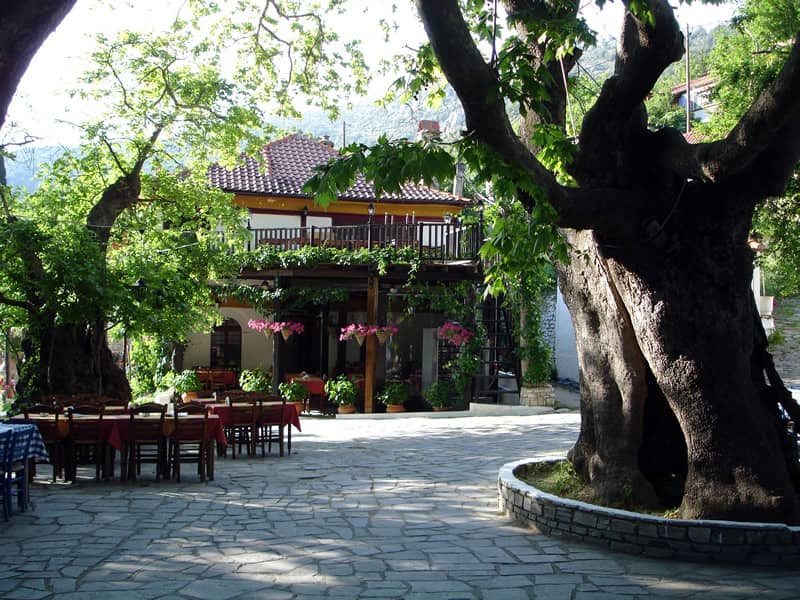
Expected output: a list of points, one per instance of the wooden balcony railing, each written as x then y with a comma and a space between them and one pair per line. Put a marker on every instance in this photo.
443, 242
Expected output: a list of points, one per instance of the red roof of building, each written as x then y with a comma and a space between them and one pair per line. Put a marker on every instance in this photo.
700, 84
289, 163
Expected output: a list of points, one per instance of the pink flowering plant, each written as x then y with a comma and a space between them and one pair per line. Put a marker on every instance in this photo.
275, 326
456, 334
292, 326
388, 329
354, 329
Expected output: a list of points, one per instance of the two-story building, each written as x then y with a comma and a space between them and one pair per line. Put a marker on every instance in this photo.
420, 220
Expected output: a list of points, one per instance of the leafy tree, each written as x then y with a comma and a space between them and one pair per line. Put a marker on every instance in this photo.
678, 392
744, 63
132, 204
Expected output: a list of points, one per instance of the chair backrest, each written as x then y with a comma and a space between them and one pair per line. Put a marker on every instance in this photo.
48, 428
149, 428
188, 427
113, 404
272, 411
21, 443
243, 413
42, 409
85, 430
6, 444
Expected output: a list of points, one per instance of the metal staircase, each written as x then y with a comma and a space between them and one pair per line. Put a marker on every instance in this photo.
497, 380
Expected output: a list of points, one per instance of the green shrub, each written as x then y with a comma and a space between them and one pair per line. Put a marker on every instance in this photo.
293, 391
341, 390
394, 393
255, 380
438, 394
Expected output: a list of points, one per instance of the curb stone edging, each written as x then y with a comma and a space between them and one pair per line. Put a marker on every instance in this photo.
645, 535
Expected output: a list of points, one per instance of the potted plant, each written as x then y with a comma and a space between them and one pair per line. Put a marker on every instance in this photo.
255, 380
394, 395
187, 384
296, 393
438, 395
342, 392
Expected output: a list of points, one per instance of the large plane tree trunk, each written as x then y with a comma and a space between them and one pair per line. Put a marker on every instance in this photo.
75, 359
679, 398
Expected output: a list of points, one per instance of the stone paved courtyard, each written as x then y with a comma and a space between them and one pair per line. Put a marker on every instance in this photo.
402, 508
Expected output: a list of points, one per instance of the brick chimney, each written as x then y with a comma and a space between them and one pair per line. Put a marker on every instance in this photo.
428, 130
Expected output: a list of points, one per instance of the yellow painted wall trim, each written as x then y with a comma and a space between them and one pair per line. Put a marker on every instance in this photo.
346, 207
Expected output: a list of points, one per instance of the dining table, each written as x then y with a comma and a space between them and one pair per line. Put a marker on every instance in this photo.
315, 386
36, 451
114, 429
290, 417
27, 446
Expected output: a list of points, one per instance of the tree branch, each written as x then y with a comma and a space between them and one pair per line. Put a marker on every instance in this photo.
767, 124
644, 52
23, 28
475, 83
30, 307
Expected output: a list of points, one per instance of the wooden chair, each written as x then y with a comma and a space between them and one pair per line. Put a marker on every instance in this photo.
84, 443
242, 428
15, 472
6, 445
52, 436
189, 441
113, 405
146, 443
271, 422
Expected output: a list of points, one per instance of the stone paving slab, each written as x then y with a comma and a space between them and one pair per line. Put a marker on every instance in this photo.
403, 508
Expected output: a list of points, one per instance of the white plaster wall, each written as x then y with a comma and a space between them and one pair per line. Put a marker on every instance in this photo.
265, 221
256, 347
319, 221
566, 351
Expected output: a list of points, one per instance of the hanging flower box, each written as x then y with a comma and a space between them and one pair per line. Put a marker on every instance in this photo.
286, 328
385, 331
357, 331
454, 333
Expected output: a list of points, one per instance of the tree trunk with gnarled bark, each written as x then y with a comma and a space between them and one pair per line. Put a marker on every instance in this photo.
23, 28
75, 359
679, 397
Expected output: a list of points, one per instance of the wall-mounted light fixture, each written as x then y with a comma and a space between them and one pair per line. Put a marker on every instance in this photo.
139, 289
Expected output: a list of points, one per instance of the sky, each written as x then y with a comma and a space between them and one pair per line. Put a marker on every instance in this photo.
42, 106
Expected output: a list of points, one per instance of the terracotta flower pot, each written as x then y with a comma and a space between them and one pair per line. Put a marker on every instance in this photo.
441, 408
395, 408
346, 409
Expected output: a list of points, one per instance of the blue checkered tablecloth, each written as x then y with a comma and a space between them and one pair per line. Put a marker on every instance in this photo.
36, 451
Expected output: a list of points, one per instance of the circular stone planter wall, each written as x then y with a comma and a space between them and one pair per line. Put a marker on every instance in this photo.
646, 535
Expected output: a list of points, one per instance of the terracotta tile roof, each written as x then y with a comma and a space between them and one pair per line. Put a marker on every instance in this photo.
694, 137
289, 163
699, 84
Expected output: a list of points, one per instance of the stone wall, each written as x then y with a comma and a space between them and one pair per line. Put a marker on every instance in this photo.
537, 395
634, 533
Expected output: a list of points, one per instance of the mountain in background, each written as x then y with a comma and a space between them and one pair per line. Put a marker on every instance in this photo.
365, 121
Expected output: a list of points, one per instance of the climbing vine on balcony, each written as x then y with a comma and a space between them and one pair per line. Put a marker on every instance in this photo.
267, 256
264, 300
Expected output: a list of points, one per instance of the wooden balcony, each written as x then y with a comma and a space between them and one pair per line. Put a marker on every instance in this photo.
435, 242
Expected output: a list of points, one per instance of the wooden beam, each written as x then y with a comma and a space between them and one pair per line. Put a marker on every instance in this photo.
372, 346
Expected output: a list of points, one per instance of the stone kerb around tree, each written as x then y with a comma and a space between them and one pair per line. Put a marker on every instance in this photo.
647, 535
